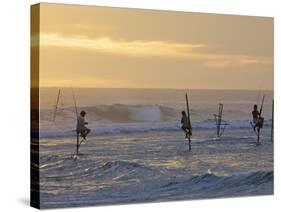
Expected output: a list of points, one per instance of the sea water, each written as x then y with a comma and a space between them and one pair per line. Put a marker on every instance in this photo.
136, 151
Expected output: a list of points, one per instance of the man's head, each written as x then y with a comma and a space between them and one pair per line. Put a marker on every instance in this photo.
83, 113
255, 107
183, 113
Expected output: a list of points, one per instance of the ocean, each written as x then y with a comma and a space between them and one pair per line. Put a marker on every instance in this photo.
136, 151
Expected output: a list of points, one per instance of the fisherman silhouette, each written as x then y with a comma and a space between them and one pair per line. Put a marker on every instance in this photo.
257, 119
81, 128
186, 127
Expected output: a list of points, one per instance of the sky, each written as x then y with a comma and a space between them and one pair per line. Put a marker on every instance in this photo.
87, 46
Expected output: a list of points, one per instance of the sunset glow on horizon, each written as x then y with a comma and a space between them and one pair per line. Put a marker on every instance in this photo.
86, 46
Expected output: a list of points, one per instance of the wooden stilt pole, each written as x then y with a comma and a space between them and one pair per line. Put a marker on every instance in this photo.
219, 120
218, 123
189, 122
76, 111
259, 127
272, 120
258, 136
189, 143
77, 143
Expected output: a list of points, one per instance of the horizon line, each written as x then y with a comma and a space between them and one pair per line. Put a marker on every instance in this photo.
216, 89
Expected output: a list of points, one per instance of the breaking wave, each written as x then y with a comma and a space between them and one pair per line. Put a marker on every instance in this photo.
119, 113
111, 129
219, 186
121, 119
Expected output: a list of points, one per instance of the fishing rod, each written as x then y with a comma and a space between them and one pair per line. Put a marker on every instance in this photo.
187, 109
56, 106
262, 104
74, 100
78, 143
259, 94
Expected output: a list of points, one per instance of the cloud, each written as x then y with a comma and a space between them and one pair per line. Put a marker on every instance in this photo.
132, 48
140, 48
79, 82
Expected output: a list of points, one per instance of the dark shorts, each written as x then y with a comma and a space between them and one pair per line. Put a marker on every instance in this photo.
82, 130
259, 122
186, 130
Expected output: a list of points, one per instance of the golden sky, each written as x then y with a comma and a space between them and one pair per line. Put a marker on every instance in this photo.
87, 46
